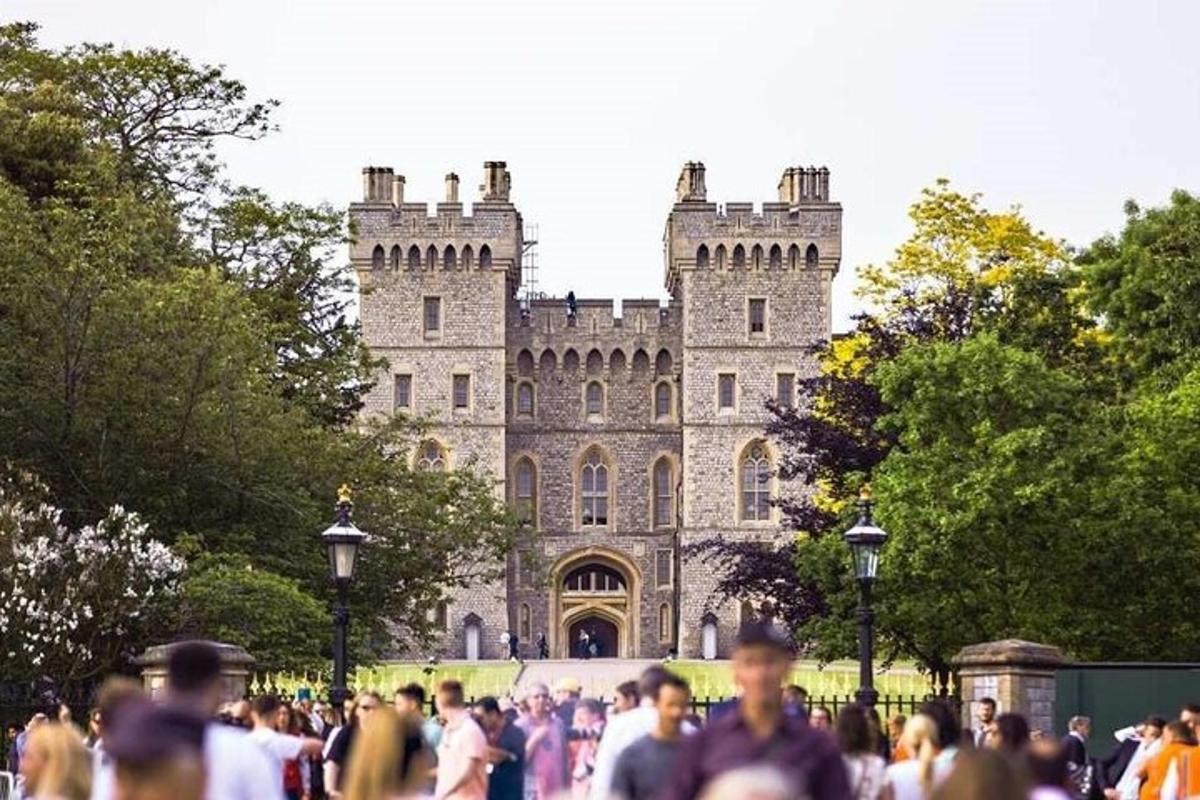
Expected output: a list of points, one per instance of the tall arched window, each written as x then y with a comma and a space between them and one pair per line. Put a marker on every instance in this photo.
595, 362
756, 258
793, 257
525, 490
524, 623
664, 623
396, 257
720, 256
662, 400
525, 399
810, 256
594, 398
739, 257
414, 257
776, 257
524, 363
755, 473
570, 360
664, 493
467, 257
377, 257
431, 456
485, 257
702, 257
449, 258
663, 362
548, 361
431, 258
593, 481
616, 361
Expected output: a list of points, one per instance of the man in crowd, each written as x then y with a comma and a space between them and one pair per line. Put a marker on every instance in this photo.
505, 752
235, 769
1190, 716
646, 765
278, 747
114, 692
1075, 742
795, 700
627, 728
463, 752
1119, 771
410, 699
758, 732
987, 718
821, 718
545, 746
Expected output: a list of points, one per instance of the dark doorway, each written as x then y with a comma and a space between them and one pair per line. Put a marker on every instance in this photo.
601, 633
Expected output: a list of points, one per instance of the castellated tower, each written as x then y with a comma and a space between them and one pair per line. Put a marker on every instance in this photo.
435, 291
755, 294
618, 437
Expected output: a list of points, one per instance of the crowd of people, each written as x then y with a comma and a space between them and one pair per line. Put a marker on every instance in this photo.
768, 744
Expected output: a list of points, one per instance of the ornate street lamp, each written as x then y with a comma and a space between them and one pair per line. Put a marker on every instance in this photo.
865, 540
342, 540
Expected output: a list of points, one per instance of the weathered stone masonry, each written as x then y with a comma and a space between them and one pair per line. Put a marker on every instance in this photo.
551, 393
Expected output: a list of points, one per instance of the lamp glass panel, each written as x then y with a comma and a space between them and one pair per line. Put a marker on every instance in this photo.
866, 560
342, 556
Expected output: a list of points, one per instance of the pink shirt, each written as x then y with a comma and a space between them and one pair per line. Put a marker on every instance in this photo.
546, 770
463, 746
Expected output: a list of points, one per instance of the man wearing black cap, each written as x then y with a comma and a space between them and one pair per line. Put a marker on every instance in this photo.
158, 751
759, 731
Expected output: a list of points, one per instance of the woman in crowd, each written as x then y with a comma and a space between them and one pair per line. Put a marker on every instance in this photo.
390, 761
56, 765
584, 736
1010, 734
895, 731
915, 779
857, 736
984, 775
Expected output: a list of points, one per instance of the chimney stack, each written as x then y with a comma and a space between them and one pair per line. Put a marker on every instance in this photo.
398, 191
451, 188
496, 182
377, 184
690, 186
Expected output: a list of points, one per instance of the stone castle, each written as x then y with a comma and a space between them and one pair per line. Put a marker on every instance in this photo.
619, 438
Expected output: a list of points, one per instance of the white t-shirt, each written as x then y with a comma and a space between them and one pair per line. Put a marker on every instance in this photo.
236, 770
278, 748
905, 778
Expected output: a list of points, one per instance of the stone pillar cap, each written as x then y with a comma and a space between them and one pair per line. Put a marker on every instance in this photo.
230, 654
1010, 652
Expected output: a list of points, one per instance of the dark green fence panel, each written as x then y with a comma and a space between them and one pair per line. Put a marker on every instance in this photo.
1116, 695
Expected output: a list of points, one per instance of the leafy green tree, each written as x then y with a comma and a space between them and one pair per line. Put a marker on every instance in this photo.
229, 600
1145, 284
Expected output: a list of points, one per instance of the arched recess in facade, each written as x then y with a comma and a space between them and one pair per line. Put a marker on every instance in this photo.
622, 609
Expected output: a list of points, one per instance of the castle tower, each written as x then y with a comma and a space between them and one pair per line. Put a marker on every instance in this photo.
435, 292
755, 294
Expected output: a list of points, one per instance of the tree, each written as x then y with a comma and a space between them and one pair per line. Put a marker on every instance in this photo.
74, 601
226, 599
1145, 284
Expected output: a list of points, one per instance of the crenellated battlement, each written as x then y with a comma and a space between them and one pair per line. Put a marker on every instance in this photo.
392, 234
552, 315
802, 229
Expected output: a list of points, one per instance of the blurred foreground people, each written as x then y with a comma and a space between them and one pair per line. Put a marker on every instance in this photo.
916, 778
159, 753
55, 764
856, 738
390, 760
984, 775
647, 765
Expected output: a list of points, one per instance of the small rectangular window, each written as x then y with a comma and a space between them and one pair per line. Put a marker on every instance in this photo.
403, 391
726, 383
662, 569
758, 315
785, 389
524, 569
525, 399
433, 314
462, 391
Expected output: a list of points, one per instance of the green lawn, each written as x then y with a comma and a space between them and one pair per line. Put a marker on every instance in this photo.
478, 679
840, 678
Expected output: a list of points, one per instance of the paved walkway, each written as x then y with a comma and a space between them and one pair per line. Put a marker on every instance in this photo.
598, 676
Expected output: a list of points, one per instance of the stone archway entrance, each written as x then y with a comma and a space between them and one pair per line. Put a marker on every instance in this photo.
595, 590
603, 632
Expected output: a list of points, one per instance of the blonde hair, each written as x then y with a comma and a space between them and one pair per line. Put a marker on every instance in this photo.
921, 735
388, 759
68, 768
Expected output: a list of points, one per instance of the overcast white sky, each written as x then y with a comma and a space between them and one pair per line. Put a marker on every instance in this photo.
1065, 106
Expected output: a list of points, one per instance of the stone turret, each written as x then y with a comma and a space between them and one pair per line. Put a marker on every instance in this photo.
690, 186
804, 185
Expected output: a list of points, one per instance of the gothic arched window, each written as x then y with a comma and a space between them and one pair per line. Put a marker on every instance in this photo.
755, 483
431, 456
525, 490
396, 256
414, 257
720, 256
449, 258
793, 257
756, 257
594, 398
431, 257
467, 257
662, 400
776, 257
810, 256
739, 257
702, 257
664, 493
377, 257
593, 481
525, 399
485, 257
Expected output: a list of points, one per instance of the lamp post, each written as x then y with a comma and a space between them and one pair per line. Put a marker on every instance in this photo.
865, 540
342, 540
